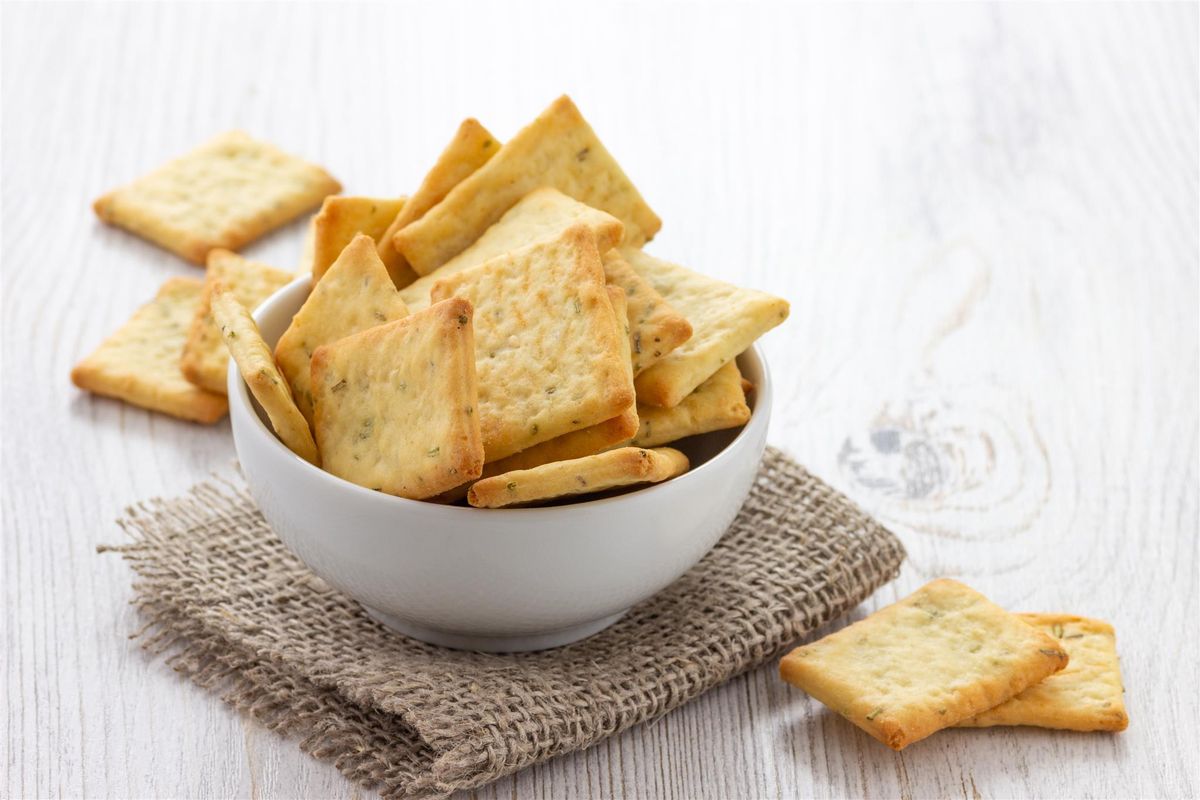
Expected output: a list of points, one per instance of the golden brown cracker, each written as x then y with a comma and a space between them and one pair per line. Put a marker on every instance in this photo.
939, 656
549, 355
225, 193
726, 319
655, 327
140, 362
557, 149
715, 405
262, 376
1085, 696
205, 360
625, 466
397, 406
541, 215
342, 218
470, 149
356, 293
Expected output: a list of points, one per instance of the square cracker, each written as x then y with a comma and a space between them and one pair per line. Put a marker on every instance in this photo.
939, 656
469, 150
342, 218
258, 369
549, 355
589, 441
225, 193
716, 404
1086, 696
655, 327
557, 149
396, 404
624, 466
540, 215
205, 360
355, 294
726, 319
140, 362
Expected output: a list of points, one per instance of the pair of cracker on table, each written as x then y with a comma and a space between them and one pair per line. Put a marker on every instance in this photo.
945, 657
500, 334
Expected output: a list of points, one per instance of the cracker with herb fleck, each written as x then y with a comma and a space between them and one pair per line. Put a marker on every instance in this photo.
589, 441
262, 376
557, 149
625, 466
540, 215
939, 656
342, 218
355, 294
1086, 696
726, 319
140, 362
550, 357
396, 405
716, 404
469, 150
655, 327
205, 360
225, 193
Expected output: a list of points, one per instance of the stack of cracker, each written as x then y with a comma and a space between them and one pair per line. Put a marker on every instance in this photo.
945, 656
500, 335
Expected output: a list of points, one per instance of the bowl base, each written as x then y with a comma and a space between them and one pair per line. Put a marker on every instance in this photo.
493, 644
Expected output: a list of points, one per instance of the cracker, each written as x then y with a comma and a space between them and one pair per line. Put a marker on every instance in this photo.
725, 319
540, 215
557, 149
140, 362
258, 369
589, 441
396, 405
939, 656
469, 150
205, 360
625, 466
355, 294
549, 355
1086, 696
655, 327
225, 193
715, 405
341, 219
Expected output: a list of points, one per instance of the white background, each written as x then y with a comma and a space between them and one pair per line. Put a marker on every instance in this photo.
985, 218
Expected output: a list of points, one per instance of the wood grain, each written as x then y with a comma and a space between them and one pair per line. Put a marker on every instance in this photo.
985, 218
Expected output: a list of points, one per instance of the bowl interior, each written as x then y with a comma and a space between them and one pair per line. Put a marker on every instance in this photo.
275, 314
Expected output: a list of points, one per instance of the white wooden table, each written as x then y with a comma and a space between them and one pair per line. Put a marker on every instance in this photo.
985, 218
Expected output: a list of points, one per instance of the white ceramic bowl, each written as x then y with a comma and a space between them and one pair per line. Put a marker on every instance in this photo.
501, 580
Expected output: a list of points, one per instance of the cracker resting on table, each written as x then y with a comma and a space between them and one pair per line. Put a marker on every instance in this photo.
262, 376
655, 327
397, 406
1086, 696
716, 404
225, 193
557, 149
356, 293
205, 359
541, 215
549, 356
625, 466
342, 218
726, 319
469, 150
140, 362
939, 656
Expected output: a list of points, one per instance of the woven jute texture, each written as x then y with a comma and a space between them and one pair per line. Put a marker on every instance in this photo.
233, 609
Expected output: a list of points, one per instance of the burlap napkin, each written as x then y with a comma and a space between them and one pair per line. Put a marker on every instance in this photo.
238, 613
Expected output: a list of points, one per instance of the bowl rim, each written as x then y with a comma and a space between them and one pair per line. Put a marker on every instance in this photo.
238, 391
